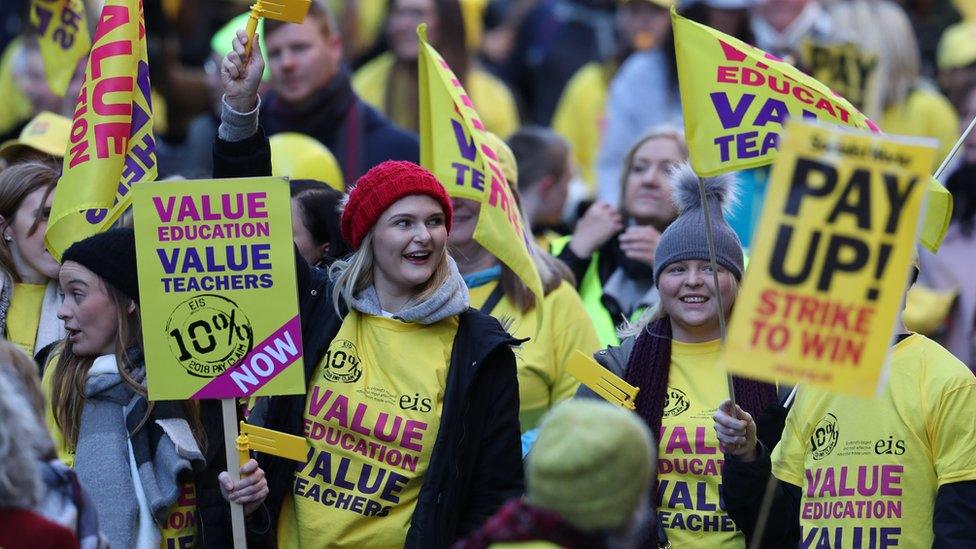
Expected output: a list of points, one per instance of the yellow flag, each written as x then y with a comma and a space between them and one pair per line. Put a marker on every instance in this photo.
111, 144
736, 99
830, 262
62, 31
454, 147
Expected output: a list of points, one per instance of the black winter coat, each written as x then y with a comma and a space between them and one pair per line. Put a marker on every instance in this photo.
476, 462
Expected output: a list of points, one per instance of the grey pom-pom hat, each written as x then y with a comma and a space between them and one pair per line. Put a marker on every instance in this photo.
685, 237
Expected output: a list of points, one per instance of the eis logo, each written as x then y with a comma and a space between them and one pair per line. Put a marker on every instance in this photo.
889, 446
342, 363
415, 403
824, 437
675, 402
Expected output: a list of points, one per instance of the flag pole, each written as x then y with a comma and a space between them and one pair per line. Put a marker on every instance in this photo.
955, 148
710, 239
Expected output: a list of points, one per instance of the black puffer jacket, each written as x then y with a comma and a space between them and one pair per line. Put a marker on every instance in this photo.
476, 462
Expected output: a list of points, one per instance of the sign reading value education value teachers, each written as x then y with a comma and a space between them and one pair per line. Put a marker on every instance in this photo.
830, 265
218, 289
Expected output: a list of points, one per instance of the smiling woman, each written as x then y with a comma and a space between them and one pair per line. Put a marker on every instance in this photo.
672, 354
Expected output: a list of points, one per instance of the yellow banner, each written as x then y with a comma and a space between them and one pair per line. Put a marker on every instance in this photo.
454, 147
831, 258
736, 99
62, 33
218, 289
111, 144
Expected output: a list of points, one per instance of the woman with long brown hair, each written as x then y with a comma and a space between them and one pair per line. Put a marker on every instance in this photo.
29, 297
135, 457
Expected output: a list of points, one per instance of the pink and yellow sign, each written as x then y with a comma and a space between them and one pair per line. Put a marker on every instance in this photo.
217, 289
454, 147
111, 145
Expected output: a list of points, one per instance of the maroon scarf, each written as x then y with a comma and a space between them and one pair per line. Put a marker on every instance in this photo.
519, 521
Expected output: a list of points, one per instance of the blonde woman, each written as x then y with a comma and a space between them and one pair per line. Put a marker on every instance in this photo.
411, 407
611, 251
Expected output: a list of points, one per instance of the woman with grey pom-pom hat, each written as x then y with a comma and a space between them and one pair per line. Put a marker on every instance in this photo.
672, 354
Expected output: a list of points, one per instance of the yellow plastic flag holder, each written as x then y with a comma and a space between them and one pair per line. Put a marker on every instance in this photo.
602, 381
289, 11
271, 442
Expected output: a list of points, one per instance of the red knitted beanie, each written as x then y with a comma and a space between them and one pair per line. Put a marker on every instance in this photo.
379, 188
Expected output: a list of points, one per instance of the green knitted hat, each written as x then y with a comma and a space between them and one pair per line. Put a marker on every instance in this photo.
592, 463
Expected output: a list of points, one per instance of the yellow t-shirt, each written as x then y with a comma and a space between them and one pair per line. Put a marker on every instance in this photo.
581, 115
925, 113
542, 361
492, 99
24, 315
870, 468
372, 415
689, 465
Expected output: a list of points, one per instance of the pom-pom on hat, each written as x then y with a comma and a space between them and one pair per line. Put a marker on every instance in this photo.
685, 237
379, 188
112, 256
592, 463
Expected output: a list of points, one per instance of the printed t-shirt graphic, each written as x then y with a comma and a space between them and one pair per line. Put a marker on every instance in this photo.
689, 465
372, 415
870, 468
180, 529
566, 327
25, 314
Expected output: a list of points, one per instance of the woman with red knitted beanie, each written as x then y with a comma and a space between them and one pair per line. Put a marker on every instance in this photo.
411, 409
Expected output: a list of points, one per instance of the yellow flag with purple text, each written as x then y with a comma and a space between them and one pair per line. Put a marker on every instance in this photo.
111, 145
454, 147
62, 34
736, 99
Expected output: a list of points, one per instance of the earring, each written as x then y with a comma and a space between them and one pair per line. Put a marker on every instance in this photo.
8, 238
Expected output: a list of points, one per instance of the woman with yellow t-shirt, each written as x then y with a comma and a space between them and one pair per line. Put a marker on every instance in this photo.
495, 289
136, 458
29, 298
390, 82
673, 356
411, 407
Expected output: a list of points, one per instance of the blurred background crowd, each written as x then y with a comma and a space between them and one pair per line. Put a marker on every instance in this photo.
578, 81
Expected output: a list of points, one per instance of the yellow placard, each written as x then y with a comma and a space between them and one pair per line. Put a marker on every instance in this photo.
830, 260
111, 145
217, 289
602, 381
62, 34
842, 67
455, 148
736, 99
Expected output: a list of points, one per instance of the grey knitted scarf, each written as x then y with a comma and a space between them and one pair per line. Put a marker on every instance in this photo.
163, 448
449, 300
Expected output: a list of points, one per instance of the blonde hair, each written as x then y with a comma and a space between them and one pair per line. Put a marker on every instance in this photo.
881, 28
354, 274
20, 483
663, 131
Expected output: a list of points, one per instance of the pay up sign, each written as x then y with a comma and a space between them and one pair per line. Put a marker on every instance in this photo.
831, 259
218, 290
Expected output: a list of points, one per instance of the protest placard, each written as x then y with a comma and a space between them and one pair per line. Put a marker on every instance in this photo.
831, 258
841, 66
217, 289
